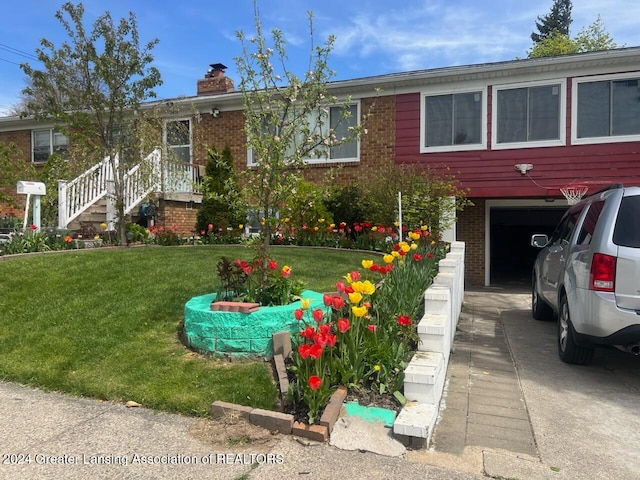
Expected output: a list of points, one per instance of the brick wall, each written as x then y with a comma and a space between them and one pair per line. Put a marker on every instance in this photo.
180, 216
471, 229
22, 139
377, 146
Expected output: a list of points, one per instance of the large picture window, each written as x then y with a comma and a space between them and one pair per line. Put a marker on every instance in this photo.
46, 142
608, 108
334, 123
453, 121
528, 115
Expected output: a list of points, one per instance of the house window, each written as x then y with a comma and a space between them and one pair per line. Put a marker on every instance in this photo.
178, 138
453, 121
528, 116
341, 126
46, 142
608, 108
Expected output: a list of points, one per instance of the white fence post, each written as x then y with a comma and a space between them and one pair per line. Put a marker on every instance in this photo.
62, 204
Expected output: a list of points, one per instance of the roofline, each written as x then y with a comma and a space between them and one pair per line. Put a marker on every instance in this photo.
392, 82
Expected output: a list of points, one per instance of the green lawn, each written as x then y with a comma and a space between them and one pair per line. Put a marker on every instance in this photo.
104, 323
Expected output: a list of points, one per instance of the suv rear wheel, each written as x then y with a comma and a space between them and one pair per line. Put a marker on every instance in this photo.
568, 349
540, 309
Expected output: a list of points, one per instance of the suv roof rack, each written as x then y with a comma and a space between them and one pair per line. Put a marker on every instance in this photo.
613, 186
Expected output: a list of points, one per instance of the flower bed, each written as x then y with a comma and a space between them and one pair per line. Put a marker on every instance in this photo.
241, 334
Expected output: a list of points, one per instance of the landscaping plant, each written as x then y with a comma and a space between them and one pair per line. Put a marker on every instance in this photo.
367, 340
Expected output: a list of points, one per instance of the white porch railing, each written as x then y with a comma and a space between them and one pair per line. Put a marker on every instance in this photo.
149, 176
79, 194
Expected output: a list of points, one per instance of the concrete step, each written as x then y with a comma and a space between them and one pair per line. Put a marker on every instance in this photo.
435, 335
424, 378
416, 420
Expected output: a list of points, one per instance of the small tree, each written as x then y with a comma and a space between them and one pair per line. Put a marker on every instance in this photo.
287, 118
93, 86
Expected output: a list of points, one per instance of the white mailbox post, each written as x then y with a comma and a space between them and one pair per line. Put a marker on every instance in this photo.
37, 189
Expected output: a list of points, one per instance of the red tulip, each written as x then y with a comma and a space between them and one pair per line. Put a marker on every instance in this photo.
308, 332
316, 351
315, 382
343, 325
338, 303
318, 315
304, 350
298, 313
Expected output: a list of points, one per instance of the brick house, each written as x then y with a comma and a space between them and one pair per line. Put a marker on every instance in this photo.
513, 133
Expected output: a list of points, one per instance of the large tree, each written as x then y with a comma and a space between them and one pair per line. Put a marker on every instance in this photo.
590, 39
558, 20
92, 86
287, 117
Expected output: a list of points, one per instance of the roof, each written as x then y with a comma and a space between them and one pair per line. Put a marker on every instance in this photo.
393, 83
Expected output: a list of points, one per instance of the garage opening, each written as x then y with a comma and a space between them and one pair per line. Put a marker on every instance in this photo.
511, 255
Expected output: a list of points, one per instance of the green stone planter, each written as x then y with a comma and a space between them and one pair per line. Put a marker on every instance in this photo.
241, 334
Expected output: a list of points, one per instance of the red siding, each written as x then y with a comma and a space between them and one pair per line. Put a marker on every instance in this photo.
491, 173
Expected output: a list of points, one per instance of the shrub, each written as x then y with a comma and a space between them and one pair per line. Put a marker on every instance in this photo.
222, 205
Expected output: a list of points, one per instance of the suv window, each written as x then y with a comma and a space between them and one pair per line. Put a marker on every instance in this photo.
627, 230
567, 224
590, 221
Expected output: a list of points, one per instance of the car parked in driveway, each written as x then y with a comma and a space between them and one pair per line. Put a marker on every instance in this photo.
588, 275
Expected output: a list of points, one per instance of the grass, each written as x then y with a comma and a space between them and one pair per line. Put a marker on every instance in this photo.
104, 323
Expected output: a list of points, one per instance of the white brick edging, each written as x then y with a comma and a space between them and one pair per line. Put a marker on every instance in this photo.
427, 370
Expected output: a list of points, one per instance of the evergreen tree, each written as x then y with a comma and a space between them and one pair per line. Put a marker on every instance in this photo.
557, 20
222, 204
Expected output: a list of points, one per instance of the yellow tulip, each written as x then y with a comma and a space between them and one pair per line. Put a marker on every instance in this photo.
355, 297
359, 311
414, 246
397, 224
368, 288
374, 229
387, 258
405, 248
424, 228
305, 302
395, 254
366, 264
321, 220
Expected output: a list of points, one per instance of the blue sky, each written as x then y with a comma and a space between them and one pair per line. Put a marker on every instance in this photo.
373, 37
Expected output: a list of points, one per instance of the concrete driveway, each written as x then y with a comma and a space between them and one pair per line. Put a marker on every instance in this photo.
585, 419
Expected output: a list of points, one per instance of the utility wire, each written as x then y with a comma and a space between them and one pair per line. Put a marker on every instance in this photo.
9, 61
15, 51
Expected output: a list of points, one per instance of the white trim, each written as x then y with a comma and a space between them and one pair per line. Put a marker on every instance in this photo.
574, 111
517, 203
454, 148
561, 141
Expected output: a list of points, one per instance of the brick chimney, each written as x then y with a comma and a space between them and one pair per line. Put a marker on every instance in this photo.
214, 81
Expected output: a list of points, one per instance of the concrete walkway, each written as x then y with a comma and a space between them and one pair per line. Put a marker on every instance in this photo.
483, 403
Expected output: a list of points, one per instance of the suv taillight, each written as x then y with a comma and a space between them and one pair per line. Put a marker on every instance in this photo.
602, 277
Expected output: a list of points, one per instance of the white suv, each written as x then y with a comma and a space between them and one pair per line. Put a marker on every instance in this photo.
588, 274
